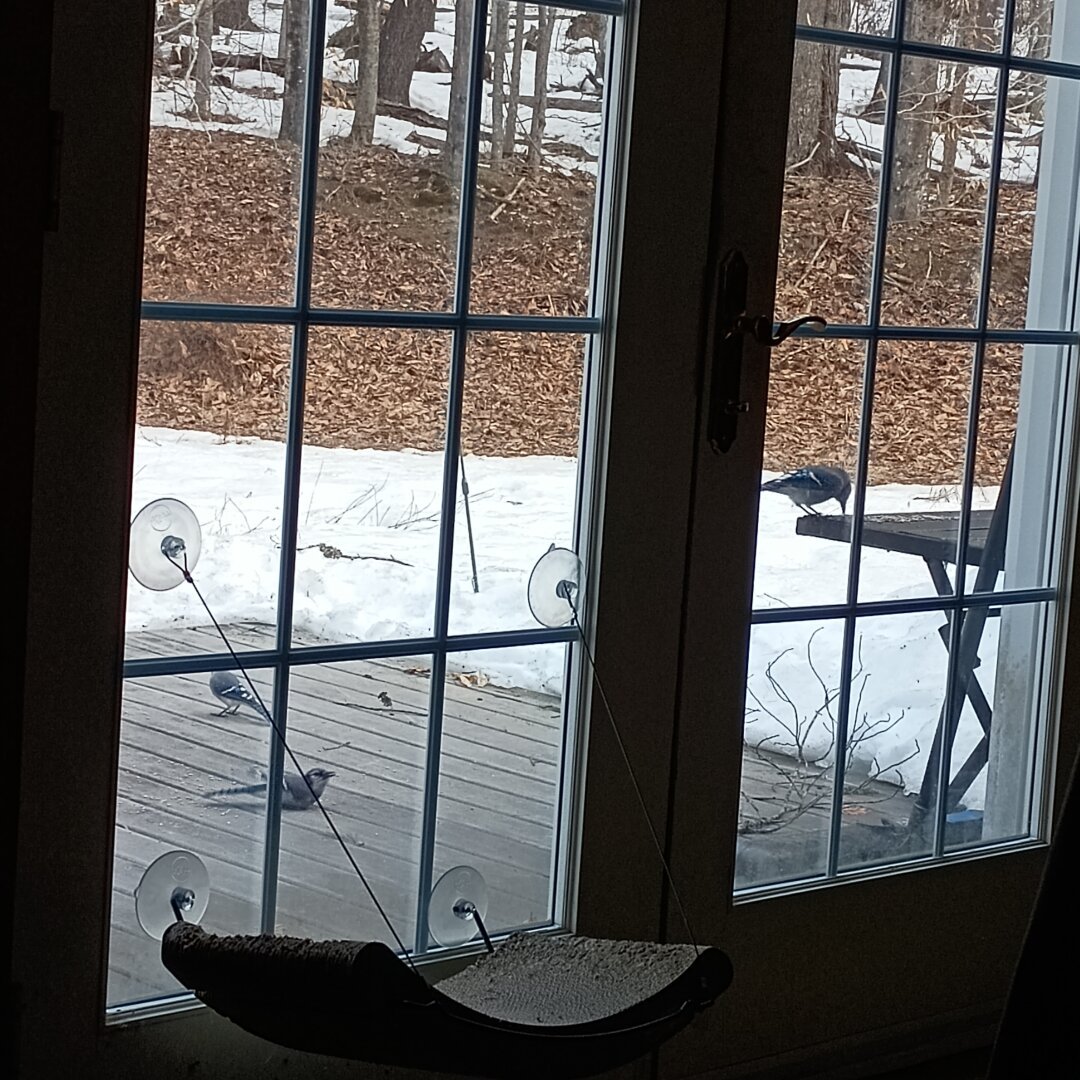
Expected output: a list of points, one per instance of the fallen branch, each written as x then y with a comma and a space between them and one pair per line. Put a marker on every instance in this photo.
504, 203
331, 552
805, 161
810, 265
569, 104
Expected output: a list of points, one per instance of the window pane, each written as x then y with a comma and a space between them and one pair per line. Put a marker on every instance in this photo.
177, 750
542, 133
898, 686
1015, 529
1042, 29
831, 184
918, 437
520, 435
366, 723
815, 390
1034, 244
792, 691
371, 484
223, 175
1013, 675
937, 195
999, 672
861, 16
500, 777
389, 189
964, 25
211, 430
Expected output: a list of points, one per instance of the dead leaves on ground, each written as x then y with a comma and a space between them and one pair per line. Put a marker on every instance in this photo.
221, 217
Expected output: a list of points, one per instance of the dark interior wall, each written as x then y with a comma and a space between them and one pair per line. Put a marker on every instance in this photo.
24, 89
28, 73
1036, 1033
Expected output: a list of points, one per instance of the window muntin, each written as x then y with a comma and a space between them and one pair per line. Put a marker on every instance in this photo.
968, 365
456, 667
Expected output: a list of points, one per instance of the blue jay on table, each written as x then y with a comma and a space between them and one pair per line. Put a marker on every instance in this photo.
811, 485
232, 693
297, 793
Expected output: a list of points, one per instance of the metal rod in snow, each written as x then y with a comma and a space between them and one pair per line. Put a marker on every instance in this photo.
468, 523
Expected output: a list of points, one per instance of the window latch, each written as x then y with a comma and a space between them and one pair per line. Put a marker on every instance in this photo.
761, 329
729, 325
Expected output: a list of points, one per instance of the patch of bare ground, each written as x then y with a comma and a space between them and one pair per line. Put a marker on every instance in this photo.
220, 226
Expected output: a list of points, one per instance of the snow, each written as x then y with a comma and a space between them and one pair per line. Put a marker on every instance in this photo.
172, 95
1020, 149
802, 571
378, 504
384, 506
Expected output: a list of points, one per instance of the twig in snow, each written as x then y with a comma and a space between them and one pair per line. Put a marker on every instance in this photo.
331, 552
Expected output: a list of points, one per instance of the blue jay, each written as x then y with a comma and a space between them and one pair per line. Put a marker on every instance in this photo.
296, 793
811, 485
232, 693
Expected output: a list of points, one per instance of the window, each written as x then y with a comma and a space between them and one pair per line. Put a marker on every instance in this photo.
369, 363
944, 389
909, 958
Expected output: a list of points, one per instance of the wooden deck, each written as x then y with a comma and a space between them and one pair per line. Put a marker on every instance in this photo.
497, 793
366, 721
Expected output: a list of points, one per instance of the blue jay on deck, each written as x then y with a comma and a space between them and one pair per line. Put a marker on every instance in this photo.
811, 485
298, 792
232, 693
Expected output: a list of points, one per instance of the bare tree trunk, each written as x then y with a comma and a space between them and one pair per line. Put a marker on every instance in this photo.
283, 32
915, 115
954, 123
366, 95
403, 32
510, 133
204, 30
874, 109
601, 46
233, 14
975, 29
539, 113
1033, 25
459, 88
499, 18
167, 23
815, 93
296, 45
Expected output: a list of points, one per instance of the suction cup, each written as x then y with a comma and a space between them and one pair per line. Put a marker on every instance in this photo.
459, 893
175, 885
164, 533
553, 587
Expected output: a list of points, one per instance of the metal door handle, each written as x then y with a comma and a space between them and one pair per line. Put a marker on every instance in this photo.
729, 324
760, 328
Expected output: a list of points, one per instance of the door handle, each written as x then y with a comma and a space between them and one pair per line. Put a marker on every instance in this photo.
729, 325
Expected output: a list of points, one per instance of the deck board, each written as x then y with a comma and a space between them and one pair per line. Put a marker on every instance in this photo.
498, 786
498, 793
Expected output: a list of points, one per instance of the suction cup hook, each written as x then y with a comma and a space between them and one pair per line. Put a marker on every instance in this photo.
458, 906
174, 888
553, 587
165, 540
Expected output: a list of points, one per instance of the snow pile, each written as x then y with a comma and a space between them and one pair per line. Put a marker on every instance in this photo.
368, 557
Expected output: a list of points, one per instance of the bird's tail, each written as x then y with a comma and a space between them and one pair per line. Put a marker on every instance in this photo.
778, 484
244, 789
257, 706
